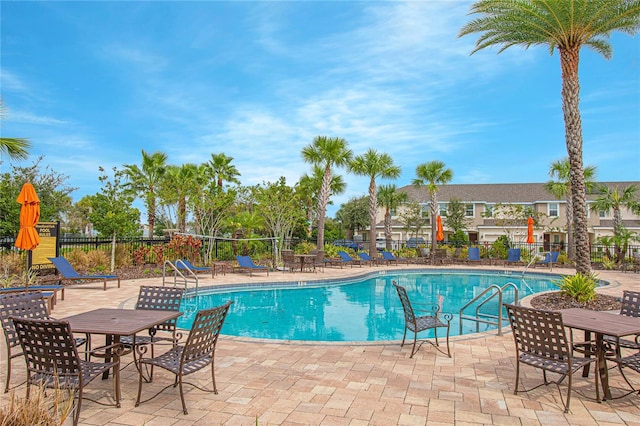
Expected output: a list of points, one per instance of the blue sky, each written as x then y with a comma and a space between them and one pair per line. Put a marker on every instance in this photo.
93, 83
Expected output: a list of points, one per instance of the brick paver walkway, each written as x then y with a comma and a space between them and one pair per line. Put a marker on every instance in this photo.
287, 383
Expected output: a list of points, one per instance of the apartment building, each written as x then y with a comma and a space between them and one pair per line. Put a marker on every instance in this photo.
480, 200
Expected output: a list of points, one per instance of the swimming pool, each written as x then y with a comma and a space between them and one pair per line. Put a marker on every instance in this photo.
363, 309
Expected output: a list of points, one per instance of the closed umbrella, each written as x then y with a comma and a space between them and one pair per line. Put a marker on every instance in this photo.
28, 238
440, 234
530, 239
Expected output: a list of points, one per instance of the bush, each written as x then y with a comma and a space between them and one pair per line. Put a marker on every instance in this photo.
41, 408
98, 260
78, 259
581, 288
11, 263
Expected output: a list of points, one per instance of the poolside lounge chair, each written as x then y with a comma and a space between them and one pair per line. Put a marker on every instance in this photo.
433, 318
513, 257
348, 260
184, 264
246, 264
549, 259
390, 257
541, 342
196, 353
473, 255
364, 257
68, 273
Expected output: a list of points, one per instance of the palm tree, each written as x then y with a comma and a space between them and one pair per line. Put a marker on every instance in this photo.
222, 169
326, 152
178, 184
614, 200
15, 148
146, 180
374, 165
432, 174
309, 188
390, 198
561, 188
566, 25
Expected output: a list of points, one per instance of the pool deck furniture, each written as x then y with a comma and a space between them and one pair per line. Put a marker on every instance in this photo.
367, 259
195, 354
184, 264
601, 323
69, 274
431, 318
245, 264
49, 292
391, 258
305, 260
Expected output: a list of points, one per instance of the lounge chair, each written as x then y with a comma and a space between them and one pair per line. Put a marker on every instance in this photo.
348, 260
549, 259
513, 257
389, 257
364, 257
473, 255
246, 264
184, 264
432, 318
68, 273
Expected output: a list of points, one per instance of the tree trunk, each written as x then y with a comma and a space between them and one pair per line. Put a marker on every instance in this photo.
569, 60
373, 203
387, 228
570, 243
323, 199
434, 224
113, 252
151, 215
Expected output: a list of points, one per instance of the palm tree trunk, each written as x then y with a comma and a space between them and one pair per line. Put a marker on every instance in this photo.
387, 228
569, 59
151, 215
323, 199
373, 204
434, 224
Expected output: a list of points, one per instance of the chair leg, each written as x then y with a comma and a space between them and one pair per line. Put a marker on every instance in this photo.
415, 339
566, 406
6, 384
184, 405
515, 389
213, 377
76, 414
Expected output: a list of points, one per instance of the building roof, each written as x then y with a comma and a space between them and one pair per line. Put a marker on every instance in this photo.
496, 192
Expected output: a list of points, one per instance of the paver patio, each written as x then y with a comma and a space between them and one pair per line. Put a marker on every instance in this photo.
300, 383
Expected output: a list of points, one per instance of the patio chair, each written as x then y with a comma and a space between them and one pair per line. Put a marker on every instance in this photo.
630, 306
632, 362
53, 360
289, 261
68, 273
549, 259
155, 298
318, 261
22, 305
197, 353
513, 257
184, 264
390, 257
348, 260
246, 264
432, 319
365, 258
473, 255
541, 342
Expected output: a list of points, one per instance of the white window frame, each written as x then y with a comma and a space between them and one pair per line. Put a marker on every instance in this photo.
466, 210
557, 209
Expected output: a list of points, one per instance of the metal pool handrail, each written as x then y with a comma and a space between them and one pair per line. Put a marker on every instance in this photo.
497, 290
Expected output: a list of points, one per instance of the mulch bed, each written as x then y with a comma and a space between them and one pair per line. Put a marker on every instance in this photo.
555, 301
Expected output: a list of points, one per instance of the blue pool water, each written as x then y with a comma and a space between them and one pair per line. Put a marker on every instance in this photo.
365, 309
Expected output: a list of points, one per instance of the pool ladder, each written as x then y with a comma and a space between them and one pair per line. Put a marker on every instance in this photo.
181, 276
485, 318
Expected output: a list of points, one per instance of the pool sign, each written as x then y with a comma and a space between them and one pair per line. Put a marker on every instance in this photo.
48, 247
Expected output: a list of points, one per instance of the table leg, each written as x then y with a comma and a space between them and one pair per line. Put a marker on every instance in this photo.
602, 367
108, 341
587, 353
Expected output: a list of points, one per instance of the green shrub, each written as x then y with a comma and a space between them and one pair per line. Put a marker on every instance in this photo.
581, 288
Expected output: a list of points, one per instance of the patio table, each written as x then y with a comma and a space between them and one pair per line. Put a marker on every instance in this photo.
114, 323
601, 323
302, 258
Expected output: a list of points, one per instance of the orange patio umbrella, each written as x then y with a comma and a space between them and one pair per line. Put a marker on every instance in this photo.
28, 238
530, 239
440, 234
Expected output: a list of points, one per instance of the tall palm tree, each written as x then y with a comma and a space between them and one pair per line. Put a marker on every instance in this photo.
178, 184
390, 198
15, 148
309, 188
613, 200
561, 188
146, 180
222, 169
326, 152
374, 165
566, 25
432, 174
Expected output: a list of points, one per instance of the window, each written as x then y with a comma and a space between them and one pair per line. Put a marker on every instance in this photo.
442, 209
552, 209
602, 214
393, 212
469, 210
488, 210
